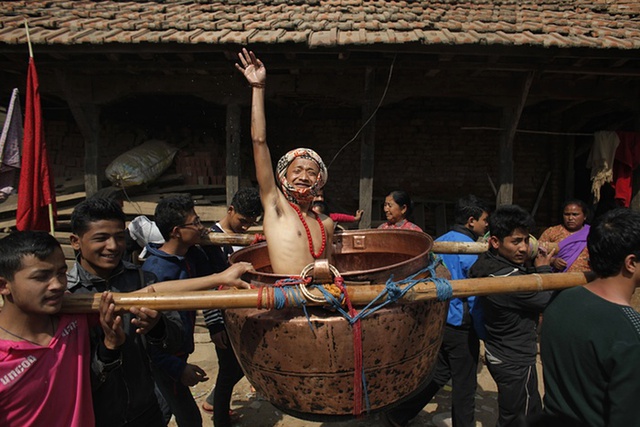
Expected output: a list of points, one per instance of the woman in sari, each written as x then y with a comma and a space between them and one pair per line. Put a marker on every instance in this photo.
571, 237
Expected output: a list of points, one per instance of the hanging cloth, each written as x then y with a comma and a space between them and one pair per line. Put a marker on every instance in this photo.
601, 159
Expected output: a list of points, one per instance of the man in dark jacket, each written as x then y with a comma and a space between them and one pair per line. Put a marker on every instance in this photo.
511, 319
121, 380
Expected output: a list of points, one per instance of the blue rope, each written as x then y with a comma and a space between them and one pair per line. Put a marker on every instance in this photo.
291, 293
395, 292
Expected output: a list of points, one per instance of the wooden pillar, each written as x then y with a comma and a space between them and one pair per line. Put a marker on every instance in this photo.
510, 119
87, 116
233, 151
570, 172
635, 178
367, 149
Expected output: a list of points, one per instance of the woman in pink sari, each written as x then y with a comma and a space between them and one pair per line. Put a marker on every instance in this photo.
571, 237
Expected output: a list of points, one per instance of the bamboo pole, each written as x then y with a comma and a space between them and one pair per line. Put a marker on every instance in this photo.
459, 247
220, 239
359, 294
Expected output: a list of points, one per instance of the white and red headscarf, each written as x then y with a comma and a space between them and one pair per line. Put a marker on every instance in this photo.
297, 195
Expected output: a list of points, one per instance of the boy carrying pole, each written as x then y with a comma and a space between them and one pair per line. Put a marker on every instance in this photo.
44, 355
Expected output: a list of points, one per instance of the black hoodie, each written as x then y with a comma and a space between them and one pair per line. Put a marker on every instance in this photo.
510, 319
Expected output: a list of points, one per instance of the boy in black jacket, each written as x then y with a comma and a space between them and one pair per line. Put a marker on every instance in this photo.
121, 378
511, 319
242, 213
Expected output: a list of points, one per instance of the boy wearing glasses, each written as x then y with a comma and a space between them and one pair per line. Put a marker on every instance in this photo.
179, 257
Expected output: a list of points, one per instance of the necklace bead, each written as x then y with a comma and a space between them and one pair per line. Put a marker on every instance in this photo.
306, 228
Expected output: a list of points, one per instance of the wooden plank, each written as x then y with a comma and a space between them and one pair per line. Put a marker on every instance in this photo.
194, 188
68, 251
11, 204
69, 185
206, 213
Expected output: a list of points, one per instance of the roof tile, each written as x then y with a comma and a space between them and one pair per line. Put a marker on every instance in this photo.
295, 37
323, 38
184, 36
580, 23
237, 37
210, 37
267, 36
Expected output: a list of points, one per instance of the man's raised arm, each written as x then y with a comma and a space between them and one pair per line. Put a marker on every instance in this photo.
256, 74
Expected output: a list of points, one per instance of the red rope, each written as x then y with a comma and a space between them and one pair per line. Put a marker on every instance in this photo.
259, 304
257, 238
357, 351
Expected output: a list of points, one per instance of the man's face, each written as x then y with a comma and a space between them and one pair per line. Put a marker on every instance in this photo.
101, 246
191, 231
514, 247
239, 223
39, 285
302, 173
480, 225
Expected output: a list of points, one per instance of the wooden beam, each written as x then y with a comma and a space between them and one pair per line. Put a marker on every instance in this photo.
510, 120
367, 149
87, 116
233, 151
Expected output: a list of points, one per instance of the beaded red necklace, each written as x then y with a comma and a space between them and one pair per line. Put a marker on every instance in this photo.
306, 228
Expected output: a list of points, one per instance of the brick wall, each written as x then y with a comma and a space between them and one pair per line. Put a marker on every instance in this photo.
424, 150
421, 148
200, 159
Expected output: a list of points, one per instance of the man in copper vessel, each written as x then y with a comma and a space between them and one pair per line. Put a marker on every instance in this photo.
296, 236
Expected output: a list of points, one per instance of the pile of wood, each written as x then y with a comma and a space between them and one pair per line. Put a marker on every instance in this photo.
210, 200
210, 203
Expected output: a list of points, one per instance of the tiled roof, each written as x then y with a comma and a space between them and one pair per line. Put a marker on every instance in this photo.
597, 24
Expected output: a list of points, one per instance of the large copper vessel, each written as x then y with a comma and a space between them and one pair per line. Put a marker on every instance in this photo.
309, 373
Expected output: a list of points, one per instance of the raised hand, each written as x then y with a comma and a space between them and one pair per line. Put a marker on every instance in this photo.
252, 68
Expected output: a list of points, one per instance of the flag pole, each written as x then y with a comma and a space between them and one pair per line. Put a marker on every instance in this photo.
50, 205
26, 28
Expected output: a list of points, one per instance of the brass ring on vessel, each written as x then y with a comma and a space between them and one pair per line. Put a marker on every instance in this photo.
303, 288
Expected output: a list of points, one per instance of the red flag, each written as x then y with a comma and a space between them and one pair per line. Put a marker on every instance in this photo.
36, 188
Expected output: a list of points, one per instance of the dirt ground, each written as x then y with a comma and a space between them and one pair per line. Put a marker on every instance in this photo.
256, 412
